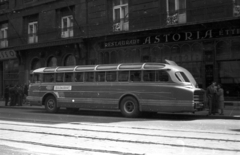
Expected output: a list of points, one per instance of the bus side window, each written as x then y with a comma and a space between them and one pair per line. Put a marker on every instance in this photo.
68, 77
162, 76
48, 77
123, 76
37, 78
111, 76
89, 77
78, 77
149, 76
135, 75
100, 76
59, 77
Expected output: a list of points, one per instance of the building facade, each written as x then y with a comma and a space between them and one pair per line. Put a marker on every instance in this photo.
200, 35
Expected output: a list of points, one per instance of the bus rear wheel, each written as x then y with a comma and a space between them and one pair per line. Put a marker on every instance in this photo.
51, 104
129, 107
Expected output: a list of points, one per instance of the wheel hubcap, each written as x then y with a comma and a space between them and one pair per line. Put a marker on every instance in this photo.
129, 107
51, 104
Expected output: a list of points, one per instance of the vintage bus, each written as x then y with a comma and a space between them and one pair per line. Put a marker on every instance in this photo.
132, 88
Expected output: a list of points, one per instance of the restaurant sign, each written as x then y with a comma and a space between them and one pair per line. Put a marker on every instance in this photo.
172, 37
7, 54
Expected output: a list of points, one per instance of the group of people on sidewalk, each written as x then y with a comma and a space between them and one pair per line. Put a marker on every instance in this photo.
15, 95
215, 99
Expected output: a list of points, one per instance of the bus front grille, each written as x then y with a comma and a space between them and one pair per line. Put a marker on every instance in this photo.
198, 100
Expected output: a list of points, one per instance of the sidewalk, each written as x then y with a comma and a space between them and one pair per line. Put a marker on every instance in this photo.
230, 112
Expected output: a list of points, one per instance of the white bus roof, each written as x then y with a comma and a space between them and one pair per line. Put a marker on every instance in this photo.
106, 67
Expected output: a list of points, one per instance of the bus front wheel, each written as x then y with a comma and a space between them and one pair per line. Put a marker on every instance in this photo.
51, 104
129, 107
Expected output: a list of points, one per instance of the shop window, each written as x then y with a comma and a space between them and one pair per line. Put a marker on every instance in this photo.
176, 11
175, 53
120, 15
222, 50
67, 26
113, 57
135, 55
3, 35
186, 55
197, 52
230, 78
166, 53
32, 32
70, 60
236, 8
52, 62
156, 54
236, 48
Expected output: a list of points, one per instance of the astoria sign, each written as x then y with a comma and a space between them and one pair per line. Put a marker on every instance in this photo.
172, 37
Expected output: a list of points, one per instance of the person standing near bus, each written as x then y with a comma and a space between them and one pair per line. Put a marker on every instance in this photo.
12, 95
6, 95
211, 96
220, 98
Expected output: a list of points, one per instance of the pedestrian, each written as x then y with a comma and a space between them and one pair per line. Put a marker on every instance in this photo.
211, 97
220, 98
6, 95
12, 95
20, 95
25, 91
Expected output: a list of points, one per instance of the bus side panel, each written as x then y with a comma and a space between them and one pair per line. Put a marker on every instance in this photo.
34, 97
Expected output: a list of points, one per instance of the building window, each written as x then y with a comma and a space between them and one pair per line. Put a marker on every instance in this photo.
120, 15
67, 26
70, 60
176, 12
32, 32
52, 62
3, 35
236, 8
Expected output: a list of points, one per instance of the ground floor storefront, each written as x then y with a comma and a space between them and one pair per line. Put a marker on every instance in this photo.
211, 52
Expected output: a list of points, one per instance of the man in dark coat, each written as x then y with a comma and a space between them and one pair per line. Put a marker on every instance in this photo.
211, 96
6, 95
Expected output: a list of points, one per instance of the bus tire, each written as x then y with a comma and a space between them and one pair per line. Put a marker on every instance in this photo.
129, 107
51, 104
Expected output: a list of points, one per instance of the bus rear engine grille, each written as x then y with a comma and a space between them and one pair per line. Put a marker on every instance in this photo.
198, 100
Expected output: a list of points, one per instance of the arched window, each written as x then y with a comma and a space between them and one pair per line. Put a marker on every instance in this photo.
70, 60
35, 64
135, 53
52, 62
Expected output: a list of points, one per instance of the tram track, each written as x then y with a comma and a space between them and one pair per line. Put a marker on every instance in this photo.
81, 132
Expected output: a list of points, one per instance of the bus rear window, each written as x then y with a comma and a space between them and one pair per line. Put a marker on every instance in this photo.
181, 76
